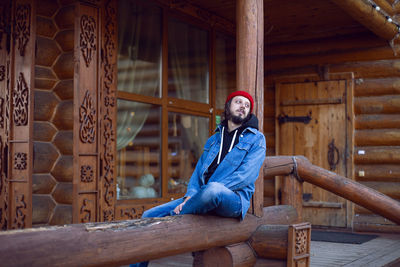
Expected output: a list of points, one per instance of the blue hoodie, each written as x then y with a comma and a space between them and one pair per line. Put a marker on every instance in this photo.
239, 169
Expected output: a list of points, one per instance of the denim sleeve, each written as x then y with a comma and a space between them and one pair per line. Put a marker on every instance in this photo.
248, 171
195, 180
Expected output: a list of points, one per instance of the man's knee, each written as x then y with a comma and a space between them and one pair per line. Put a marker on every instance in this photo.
214, 189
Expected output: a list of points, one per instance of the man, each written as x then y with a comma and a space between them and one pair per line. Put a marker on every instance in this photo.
223, 180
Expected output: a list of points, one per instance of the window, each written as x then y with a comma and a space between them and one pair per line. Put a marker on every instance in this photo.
165, 104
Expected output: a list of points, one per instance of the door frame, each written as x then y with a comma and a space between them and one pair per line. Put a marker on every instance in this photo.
349, 109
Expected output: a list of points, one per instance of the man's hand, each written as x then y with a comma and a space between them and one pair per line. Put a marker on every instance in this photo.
178, 208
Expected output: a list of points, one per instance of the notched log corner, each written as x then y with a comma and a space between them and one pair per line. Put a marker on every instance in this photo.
128, 225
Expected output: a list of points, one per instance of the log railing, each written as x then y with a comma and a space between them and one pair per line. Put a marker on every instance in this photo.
119, 243
300, 169
270, 239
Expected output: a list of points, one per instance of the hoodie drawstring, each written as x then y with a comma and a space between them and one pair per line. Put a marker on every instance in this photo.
222, 142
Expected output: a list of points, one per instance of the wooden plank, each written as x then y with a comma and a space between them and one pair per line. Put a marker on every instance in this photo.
86, 114
320, 101
5, 92
20, 145
106, 181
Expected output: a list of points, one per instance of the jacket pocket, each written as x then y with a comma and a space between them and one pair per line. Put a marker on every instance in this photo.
236, 156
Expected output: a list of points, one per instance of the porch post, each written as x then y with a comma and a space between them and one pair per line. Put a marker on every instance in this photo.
250, 69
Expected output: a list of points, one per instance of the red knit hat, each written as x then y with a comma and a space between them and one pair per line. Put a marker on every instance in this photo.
244, 94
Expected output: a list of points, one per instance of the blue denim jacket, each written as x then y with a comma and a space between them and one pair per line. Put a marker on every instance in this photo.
239, 169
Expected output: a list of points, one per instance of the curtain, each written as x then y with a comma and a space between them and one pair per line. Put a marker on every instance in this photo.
188, 63
138, 67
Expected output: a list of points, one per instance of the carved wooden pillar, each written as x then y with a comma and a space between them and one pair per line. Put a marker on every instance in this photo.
5, 11
19, 102
86, 113
250, 69
108, 100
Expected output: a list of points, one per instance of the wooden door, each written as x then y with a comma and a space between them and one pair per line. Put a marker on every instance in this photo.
311, 121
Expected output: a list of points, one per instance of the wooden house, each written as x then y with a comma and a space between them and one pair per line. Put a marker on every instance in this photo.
105, 104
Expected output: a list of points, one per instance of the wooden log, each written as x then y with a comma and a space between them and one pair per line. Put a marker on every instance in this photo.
378, 137
378, 172
100, 243
369, 17
377, 121
385, 6
278, 165
348, 189
377, 155
270, 263
390, 189
270, 241
250, 68
362, 69
387, 104
340, 57
235, 255
292, 193
290, 242
324, 45
376, 87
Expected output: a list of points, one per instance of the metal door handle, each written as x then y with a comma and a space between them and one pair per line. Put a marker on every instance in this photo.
333, 155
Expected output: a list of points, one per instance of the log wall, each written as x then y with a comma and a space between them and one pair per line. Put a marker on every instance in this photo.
53, 120
376, 104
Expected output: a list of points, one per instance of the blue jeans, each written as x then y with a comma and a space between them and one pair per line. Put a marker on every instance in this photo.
213, 198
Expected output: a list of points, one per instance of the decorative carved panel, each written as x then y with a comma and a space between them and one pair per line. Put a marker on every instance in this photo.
1, 112
132, 213
20, 101
88, 38
2, 71
20, 161
86, 210
108, 111
299, 240
22, 27
87, 119
20, 212
87, 174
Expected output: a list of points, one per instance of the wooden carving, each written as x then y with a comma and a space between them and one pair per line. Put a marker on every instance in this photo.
132, 213
301, 241
7, 100
1, 112
88, 38
2, 71
108, 135
87, 119
86, 210
20, 210
87, 174
22, 27
20, 161
20, 101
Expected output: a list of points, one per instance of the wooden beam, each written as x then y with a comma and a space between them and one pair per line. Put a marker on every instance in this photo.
125, 242
374, 20
250, 69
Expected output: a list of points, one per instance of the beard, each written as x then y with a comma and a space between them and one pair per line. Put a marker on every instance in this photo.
237, 119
